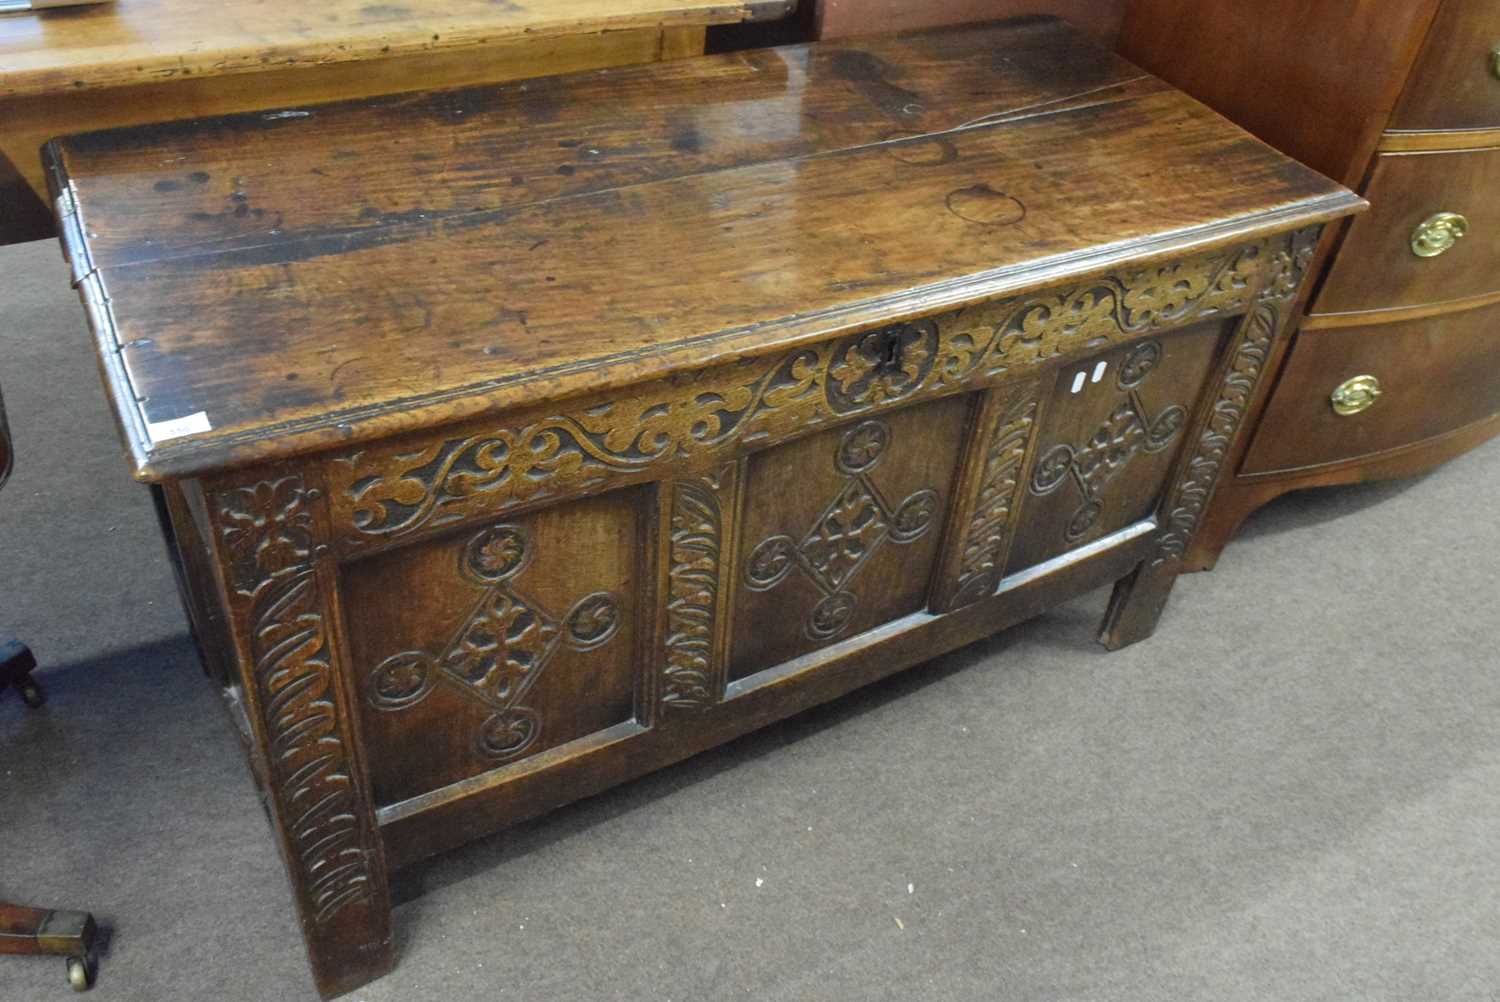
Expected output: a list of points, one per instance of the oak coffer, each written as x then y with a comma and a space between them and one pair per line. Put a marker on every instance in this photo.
515, 441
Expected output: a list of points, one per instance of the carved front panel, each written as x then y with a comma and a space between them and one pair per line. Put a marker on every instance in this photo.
840, 532
488, 645
1113, 426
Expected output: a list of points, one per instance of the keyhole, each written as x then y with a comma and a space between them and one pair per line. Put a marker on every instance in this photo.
890, 353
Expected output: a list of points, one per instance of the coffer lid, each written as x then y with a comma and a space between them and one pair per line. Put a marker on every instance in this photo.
276, 283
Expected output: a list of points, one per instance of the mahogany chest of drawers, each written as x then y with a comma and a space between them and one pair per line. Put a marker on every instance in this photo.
1396, 367
518, 440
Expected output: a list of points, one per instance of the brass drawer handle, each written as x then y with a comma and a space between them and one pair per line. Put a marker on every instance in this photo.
1437, 233
1355, 395
1495, 61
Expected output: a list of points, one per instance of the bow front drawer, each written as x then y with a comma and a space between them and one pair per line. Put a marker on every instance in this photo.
1431, 235
1404, 383
1456, 82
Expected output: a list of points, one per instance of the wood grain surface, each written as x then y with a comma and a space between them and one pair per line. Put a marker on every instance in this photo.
148, 41
1317, 80
1376, 269
1437, 374
850, 18
1454, 84
32, 120
320, 277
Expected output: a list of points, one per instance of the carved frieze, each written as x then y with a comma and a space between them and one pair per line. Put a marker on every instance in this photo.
384, 493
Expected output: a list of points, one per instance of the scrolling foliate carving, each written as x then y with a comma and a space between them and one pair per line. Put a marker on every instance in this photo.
501, 648
988, 533
383, 493
267, 530
691, 680
1289, 257
1196, 484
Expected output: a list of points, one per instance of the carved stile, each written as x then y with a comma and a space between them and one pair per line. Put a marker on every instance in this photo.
267, 532
693, 670
1008, 423
1291, 254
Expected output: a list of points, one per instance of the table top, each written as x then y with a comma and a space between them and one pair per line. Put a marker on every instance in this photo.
149, 41
268, 284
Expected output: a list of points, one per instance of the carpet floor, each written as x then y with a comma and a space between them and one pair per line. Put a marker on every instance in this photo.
1291, 792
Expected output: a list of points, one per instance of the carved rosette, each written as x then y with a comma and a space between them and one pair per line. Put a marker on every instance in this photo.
691, 675
385, 493
266, 529
987, 536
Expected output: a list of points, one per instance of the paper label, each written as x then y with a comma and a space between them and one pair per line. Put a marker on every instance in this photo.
192, 424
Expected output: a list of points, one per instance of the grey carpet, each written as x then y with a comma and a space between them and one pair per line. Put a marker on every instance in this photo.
1291, 792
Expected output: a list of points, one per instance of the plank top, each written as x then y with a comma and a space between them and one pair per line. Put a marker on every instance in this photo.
268, 284
149, 41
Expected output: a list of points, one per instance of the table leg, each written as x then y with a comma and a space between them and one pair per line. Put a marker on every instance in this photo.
35, 931
16, 665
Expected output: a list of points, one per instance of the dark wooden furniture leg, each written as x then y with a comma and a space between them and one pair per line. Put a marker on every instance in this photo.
16, 665
16, 661
34, 931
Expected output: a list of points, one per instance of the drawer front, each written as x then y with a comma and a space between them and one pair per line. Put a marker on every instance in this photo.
1454, 84
1434, 375
1411, 195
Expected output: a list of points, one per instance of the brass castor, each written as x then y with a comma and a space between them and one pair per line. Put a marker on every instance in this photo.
31, 693
80, 973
